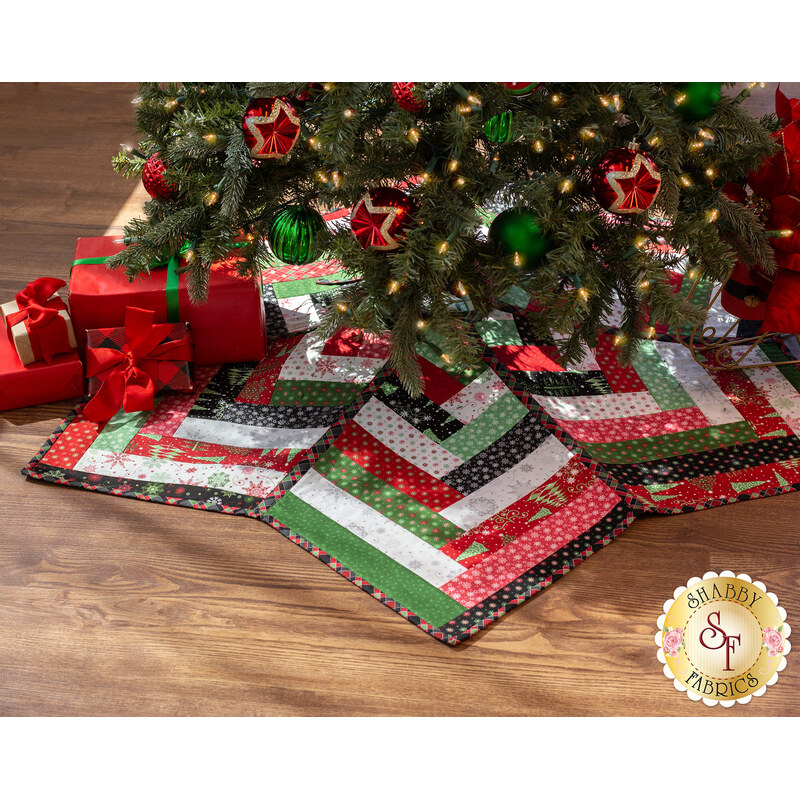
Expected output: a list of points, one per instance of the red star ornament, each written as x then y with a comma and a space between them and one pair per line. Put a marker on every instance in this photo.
271, 127
626, 181
379, 217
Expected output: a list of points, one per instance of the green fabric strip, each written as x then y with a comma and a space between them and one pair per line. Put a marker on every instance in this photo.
666, 389
119, 430
393, 579
307, 285
498, 332
489, 426
384, 498
654, 448
789, 371
314, 393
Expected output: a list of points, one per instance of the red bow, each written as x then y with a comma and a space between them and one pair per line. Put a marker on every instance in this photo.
38, 308
130, 375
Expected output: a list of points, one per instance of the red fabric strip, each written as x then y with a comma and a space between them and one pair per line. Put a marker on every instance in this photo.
363, 448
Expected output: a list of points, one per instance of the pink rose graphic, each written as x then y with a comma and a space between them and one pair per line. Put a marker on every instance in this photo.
673, 642
773, 640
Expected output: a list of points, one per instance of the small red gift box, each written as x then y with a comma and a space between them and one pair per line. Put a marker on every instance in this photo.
127, 366
22, 385
228, 327
38, 322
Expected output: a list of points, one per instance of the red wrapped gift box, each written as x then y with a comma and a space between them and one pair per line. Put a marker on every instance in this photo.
36, 383
126, 366
228, 327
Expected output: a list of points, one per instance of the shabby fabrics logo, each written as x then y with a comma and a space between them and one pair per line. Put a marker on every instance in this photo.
723, 638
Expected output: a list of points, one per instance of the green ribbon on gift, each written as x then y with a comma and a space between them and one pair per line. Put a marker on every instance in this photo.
173, 277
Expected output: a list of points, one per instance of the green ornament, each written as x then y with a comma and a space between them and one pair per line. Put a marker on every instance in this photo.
498, 128
517, 232
700, 99
292, 234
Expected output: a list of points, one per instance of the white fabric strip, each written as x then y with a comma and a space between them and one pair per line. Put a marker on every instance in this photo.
521, 479
476, 397
601, 406
231, 433
375, 529
307, 362
257, 481
698, 384
391, 429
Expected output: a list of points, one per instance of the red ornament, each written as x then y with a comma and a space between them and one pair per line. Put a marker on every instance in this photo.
271, 127
626, 181
519, 89
380, 216
408, 97
154, 181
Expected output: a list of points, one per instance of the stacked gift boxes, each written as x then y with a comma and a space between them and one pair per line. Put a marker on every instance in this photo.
135, 337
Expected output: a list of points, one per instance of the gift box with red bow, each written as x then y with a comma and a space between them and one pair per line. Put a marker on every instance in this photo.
38, 322
126, 366
228, 327
40, 382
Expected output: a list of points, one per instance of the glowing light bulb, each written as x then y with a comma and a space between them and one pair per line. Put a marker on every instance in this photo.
651, 332
314, 143
786, 232
685, 180
459, 181
452, 165
336, 179
446, 358
170, 105
654, 140
250, 237
421, 324
341, 308
588, 133
425, 178
681, 98
475, 101
565, 185
538, 145
189, 255
556, 99
443, 248
517, 260
707, 134
644, 285
327, 86
464, 108
712, 215
461, 289
211, 138
640, 242
583, 294
321, 176
691, 274
604, 101
696, 145
348, 112
211, 198
413, 136
618, 340
711, 172
393, 286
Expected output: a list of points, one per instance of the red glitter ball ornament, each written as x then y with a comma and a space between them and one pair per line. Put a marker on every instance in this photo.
380, 216
626, 181
153, 179
408, 97
271, 127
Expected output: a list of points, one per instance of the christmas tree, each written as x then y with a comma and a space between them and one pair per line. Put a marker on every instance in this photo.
599, 187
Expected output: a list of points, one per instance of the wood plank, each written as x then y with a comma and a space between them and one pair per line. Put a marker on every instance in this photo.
116, 607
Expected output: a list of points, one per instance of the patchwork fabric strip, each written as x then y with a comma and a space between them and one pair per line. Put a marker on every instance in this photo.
225, 446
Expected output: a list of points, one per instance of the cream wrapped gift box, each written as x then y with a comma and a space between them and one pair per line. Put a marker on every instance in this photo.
38, 322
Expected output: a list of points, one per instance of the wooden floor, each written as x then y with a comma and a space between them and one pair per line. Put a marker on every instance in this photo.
110, 606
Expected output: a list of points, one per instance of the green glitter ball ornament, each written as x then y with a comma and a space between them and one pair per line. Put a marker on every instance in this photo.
498, 129
700, 99
294, 234
517, 232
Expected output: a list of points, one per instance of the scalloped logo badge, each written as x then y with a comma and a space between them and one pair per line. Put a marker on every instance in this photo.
723, 638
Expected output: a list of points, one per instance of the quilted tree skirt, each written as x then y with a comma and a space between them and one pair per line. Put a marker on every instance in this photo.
456, 506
